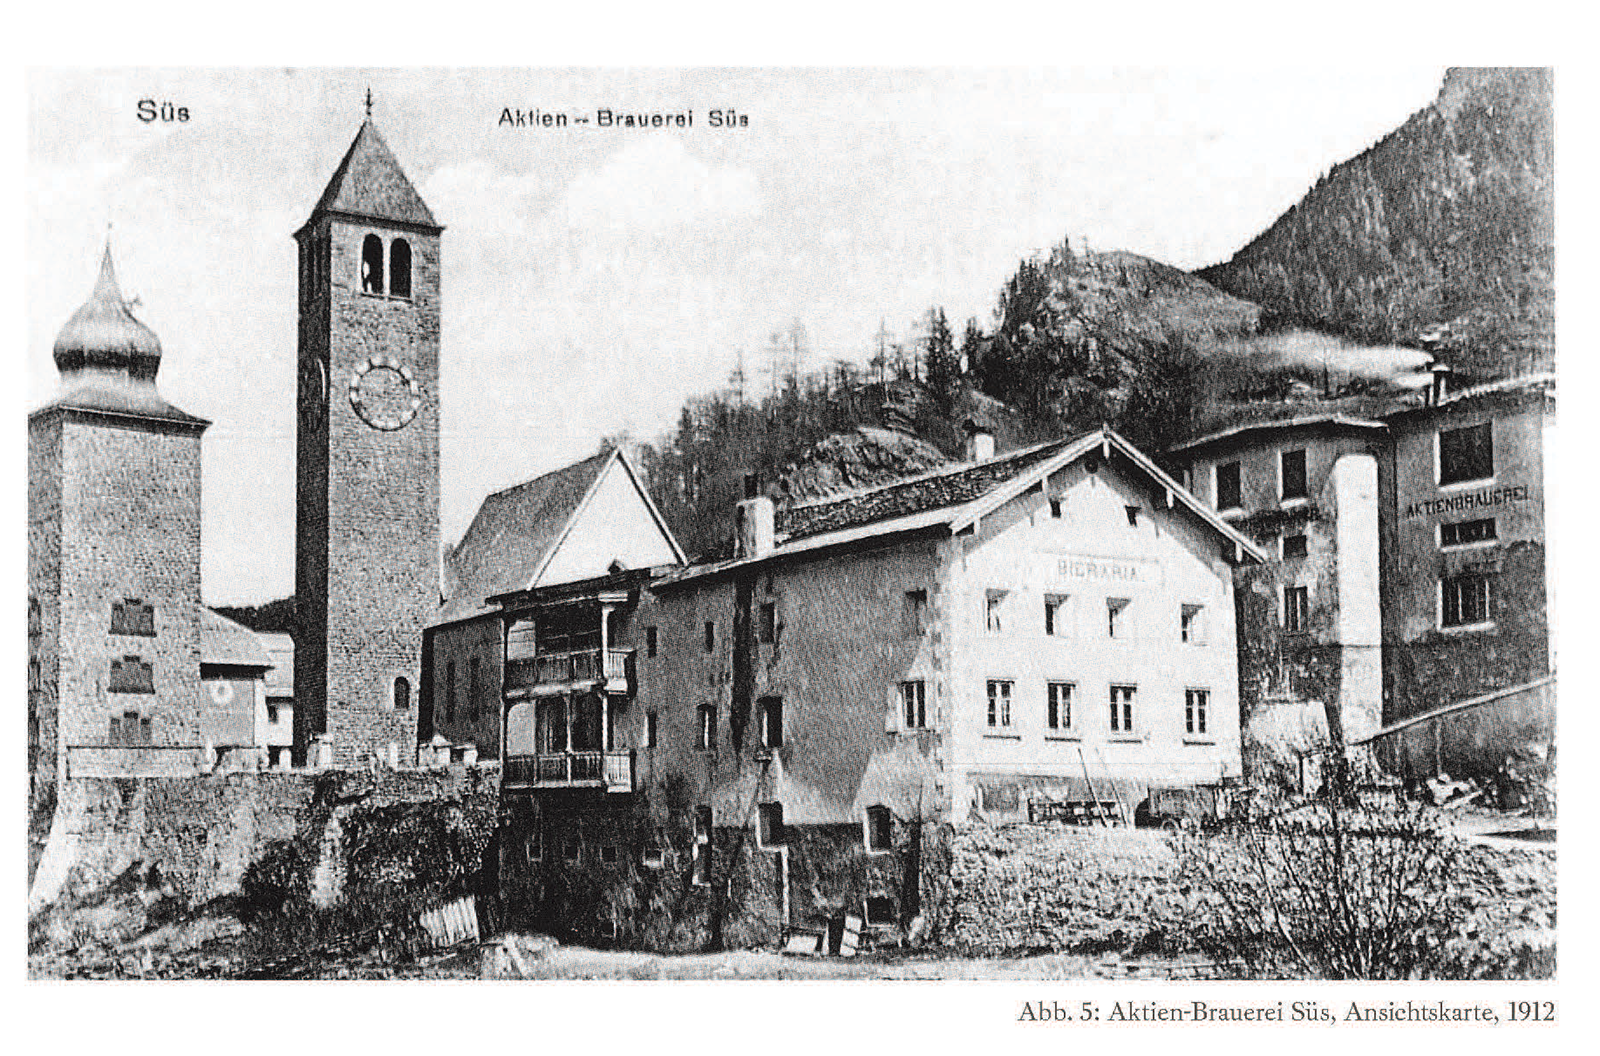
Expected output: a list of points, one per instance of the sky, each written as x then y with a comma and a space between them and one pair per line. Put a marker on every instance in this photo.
595, 278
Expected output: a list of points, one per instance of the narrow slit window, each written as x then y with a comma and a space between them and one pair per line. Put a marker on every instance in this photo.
768, 629
711, 636
708, 727
649, 641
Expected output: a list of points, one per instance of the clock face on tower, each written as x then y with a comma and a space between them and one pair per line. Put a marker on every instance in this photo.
384, 394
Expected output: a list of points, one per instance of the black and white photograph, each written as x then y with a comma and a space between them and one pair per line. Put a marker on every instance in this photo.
830, 523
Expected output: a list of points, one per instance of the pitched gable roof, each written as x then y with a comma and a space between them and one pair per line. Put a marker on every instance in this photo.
948, 486
224, 642
953, 499
517, 531
514, 534
369, 182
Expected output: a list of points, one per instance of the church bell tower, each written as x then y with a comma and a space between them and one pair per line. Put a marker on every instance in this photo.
367, 527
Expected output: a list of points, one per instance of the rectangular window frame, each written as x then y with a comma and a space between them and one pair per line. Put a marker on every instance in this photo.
1296, 608
1059, 698
994, 601
1196, 711
770, 833
1302, 550
131, 674
711, 636
132, 618
1117, 620
1124, 719
1058, 615
650, 642
1220, 472
767, 623
1454, 615
1001, 692
1466, 475
1299, 480
1460, 535
914, 614
914, 704
1192, 623
770, 710
877, 829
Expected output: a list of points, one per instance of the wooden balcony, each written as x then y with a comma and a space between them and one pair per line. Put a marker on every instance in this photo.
612, 771
608, 669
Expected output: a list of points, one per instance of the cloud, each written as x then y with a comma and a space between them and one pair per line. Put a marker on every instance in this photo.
478, 198
653, 184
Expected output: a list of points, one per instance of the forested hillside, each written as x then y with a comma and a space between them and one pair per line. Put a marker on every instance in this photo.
1440, 234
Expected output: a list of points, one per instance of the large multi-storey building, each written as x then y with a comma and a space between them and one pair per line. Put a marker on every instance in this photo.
113, 559
367, 533
1045, 633
1406, 573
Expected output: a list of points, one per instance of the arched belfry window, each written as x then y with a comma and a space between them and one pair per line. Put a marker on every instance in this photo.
402, 693
400, 268
372, 265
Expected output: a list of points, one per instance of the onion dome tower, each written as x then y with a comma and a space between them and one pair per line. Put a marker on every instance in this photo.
113, 558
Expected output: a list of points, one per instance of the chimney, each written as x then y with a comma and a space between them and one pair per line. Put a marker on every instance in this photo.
753, 521
980, 441
1441, 376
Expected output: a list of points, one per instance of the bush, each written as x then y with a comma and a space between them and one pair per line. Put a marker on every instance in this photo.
1327, 890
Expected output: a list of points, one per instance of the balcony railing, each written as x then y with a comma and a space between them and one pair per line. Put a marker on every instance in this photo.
612, 771
551, 671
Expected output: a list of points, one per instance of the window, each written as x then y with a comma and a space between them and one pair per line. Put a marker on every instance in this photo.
701, 876
1133, 515
272, 712
702, 824
649, 729
1195, 704
771, 722
999, 704
880, 829
1117, 617
131, 675
1294, 546
1466, 454
1296, 608
913, 613
914, 705
450, 691
768, 629
34, 619
649, 641
1192, 624
1465, 600
372, 264
769, 825
1461, 533
132, 616
400, 268
1122, 698
993, 604
1055, 615
1292, 474
533, 847
608, 853
1058, 706
474, 687
711, 636
35, 674
708, 727
1055, 508
571, 848
402, 693
1228, 486
880, 911
130, 730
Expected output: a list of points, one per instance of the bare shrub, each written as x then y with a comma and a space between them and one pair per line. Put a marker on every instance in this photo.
1327, 890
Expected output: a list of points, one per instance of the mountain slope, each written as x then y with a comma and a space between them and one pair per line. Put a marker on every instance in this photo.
1440, 235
